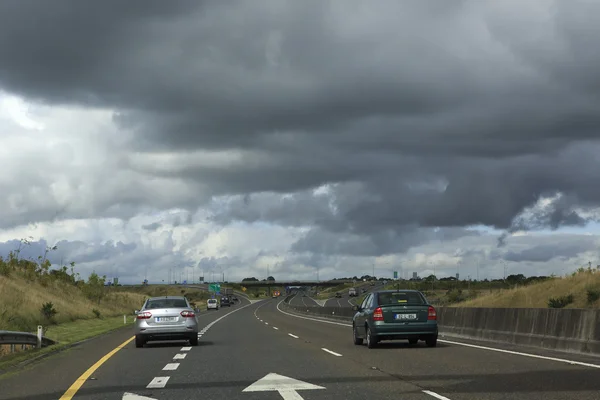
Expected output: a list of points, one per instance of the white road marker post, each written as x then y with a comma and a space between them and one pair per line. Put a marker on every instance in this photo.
40, 332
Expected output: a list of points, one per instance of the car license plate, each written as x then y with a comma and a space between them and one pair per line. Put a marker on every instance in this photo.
165, 319
406, 316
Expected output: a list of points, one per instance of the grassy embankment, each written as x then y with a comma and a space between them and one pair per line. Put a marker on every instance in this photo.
579, 290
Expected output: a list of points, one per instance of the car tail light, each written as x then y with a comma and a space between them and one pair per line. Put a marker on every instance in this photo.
378, 314
431, 314
187, 314
144, 315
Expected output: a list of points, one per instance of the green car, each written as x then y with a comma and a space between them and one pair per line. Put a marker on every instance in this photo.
395, 315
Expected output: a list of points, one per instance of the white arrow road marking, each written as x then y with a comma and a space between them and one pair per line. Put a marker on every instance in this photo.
171, 367
186, 348
133, 396
286, 386
179, 356
158, 382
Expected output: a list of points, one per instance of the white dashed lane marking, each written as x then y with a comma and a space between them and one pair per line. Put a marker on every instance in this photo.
331, 352
276, 328
158, 382
437, 396
179, 356
186, 348
292, 335
171, 367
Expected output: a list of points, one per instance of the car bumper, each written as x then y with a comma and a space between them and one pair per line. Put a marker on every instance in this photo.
167, 332
393, 331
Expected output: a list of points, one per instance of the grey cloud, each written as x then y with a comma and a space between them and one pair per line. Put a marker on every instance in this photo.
152, 227
468, 122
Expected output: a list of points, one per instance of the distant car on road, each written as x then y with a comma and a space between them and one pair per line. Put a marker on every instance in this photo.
352, 292
212, 304
166, 318
234, 298
395, 315
225, 302
338, 295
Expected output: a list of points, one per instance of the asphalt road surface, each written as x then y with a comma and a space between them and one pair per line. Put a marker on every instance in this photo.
256, 351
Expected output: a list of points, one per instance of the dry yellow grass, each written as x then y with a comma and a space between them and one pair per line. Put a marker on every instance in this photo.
537, 295
20, 302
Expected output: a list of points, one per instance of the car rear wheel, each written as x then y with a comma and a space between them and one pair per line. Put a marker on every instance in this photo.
413, 341
357, 341
139, 342
431, 341
371, 341
194, 340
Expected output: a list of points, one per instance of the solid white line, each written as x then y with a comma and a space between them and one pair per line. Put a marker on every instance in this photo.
434, 394
518, 353
331, 352
188, 348
294, 336
179, 356
276, 328
171, 367
158, 382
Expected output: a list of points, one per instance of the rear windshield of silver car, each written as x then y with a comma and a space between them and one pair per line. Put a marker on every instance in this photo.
402, 298
166, 303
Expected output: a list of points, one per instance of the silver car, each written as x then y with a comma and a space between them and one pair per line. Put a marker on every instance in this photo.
166, 318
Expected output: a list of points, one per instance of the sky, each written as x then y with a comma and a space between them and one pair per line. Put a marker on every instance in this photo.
304, 140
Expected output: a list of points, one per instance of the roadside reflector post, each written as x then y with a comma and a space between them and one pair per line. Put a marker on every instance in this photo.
40, 332
124, 319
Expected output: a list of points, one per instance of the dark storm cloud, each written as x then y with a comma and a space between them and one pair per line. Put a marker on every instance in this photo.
427, 115
546, 252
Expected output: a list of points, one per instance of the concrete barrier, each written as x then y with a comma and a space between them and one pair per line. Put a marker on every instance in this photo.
572, 330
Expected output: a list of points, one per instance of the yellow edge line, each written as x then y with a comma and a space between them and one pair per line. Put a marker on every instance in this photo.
72, 390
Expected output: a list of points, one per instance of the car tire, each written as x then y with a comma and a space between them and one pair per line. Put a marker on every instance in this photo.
371, 341
357, 341
431, 341
194, 340
413, 341
139, 342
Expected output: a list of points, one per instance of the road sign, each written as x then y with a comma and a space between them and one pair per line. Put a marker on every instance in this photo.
244, 288
395, 274
286, 387
214, 287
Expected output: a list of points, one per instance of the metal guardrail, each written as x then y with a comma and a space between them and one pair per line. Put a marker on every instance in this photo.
26, 338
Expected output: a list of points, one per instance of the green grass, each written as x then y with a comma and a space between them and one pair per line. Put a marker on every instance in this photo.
66, 334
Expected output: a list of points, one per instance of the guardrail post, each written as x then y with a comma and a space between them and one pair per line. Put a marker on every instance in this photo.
40, 332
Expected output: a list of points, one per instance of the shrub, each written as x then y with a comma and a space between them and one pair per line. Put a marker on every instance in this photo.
593, 295
97, 313
48, 311
561, 302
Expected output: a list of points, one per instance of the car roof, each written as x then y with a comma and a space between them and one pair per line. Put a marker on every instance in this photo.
398, 290
167, 297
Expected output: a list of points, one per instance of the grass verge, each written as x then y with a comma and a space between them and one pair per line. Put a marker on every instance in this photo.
67, 334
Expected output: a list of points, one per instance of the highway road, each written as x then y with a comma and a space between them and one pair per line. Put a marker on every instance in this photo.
256, 351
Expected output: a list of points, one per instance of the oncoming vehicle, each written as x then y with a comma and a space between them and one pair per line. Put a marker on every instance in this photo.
166, 318
338, 295
212, 304
395, 315
225, 302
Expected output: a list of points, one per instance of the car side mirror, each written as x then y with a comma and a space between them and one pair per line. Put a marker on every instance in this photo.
355, 308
